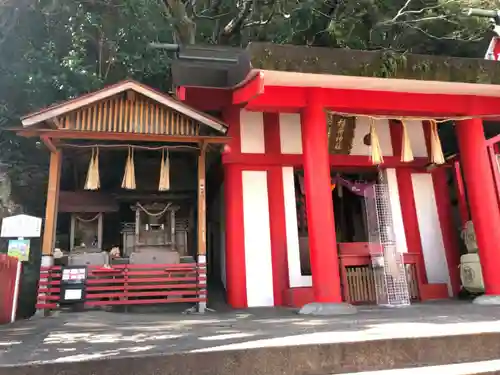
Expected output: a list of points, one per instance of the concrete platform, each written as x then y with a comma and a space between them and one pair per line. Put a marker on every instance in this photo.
262, 341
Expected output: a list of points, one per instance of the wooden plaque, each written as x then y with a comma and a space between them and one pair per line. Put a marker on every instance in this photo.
340, 133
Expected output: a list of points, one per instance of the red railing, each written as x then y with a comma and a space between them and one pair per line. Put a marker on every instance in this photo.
9, 286
127, 284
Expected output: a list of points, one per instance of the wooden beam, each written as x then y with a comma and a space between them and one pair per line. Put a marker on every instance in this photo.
106, 136
54, 123
48, 142
131, 95
26, 133
205, 98
49, 231
202, 214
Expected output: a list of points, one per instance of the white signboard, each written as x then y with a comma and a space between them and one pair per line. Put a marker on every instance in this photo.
21, 226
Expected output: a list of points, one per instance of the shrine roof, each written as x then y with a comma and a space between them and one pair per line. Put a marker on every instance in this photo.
85, 100
380, 64
303, 66
397, 85
271, 77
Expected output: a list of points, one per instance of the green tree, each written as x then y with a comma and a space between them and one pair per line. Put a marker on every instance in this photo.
425, 26
52, 50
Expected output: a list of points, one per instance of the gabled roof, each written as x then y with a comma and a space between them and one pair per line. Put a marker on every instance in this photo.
109, 91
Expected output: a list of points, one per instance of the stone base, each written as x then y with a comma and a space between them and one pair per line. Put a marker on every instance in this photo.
327, 309
485, 300
47, 261
45, 314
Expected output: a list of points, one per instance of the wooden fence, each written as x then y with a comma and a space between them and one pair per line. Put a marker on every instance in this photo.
127, 284
361, 284
358, 277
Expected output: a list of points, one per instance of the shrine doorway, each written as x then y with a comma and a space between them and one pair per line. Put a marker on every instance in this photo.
348, 205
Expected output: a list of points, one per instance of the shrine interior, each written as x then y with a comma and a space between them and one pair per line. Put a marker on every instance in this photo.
138, 225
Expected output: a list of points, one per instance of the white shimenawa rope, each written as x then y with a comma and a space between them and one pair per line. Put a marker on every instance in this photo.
406, 118
88, 220
131, 146
149, 213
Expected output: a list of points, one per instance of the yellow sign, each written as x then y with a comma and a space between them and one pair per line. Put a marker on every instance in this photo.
19, 249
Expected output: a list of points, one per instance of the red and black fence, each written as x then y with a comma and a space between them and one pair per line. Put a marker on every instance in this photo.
127, 284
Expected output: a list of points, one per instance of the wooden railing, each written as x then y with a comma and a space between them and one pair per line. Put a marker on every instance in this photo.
126, 284
10, 270
361, 283
359, 278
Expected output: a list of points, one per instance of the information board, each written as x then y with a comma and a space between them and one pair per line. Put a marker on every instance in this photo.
21, 226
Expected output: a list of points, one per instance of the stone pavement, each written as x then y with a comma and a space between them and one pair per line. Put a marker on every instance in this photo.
97, 334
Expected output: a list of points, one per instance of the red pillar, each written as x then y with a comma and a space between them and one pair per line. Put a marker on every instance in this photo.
235, 240
233, 202
448, 230
277, 220
410, 219
320, 219
463, 209
407, 202
482, 199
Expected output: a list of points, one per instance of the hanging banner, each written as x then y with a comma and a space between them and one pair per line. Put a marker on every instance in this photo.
359, 188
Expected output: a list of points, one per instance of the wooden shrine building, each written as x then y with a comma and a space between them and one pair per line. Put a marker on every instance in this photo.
127, 183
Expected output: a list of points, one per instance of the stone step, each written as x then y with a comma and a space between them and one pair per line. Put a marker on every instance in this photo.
401, 354
467, 368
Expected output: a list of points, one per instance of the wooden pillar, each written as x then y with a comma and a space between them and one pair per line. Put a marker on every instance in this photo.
72, 232
100, 230
202, 225
49, 230
202, 230
51, 209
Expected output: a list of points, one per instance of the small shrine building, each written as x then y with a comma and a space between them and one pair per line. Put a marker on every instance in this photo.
285, 112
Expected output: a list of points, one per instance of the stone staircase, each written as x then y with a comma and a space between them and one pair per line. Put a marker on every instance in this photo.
444, 355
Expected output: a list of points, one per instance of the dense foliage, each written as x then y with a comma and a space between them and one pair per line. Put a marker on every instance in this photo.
51, 50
